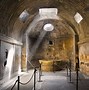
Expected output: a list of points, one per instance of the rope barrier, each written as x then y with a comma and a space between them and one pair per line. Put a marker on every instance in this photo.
33, 75
14, 84
28, 80
30, 64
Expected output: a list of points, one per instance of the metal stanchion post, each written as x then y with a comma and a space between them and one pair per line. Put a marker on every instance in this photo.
67, 70
77, 77
35, 79
77, 69
70, 70
18, 83
40, 74
40, 71
53, 65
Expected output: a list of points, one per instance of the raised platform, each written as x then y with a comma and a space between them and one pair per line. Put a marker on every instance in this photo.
52, 65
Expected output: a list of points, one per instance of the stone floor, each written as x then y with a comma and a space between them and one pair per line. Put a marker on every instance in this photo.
52, 81
60, 81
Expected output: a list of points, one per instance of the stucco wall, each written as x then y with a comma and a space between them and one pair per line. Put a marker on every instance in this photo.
13, 59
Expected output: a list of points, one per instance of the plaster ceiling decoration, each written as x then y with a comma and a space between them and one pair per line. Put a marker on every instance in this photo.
24, 15
48, 27
48, 13
11, 9
78, 18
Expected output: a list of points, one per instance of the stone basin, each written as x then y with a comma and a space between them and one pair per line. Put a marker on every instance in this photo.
50, 65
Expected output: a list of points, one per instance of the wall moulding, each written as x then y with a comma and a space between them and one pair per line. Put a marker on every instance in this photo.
9, 40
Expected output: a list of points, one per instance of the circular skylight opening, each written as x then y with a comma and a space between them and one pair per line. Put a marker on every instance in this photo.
48, 27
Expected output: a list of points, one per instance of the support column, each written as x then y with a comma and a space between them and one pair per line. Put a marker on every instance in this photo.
24, 56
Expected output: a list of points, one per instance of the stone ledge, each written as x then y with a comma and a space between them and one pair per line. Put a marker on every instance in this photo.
9, 40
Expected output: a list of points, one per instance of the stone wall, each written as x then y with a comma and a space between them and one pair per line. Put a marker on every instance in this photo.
10, 60
54, 49
84, 57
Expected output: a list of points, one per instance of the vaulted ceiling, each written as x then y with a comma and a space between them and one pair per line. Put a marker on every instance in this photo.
11, 25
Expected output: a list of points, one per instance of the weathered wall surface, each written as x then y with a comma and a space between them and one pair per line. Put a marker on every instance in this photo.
10, 63
17, 62
10, 26
0, 62
84, 57
58, 50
